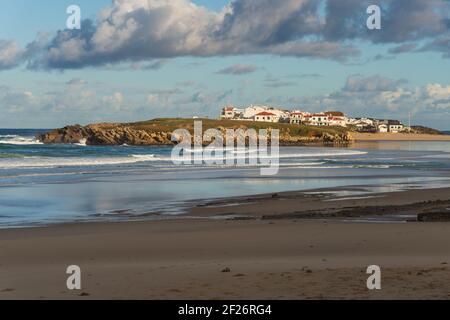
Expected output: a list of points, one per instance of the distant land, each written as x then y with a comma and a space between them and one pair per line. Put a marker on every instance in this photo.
159, 132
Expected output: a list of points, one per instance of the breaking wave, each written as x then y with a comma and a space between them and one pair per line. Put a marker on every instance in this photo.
18, 140
47, 162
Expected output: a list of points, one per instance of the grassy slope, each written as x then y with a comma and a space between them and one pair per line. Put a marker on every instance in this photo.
169, 125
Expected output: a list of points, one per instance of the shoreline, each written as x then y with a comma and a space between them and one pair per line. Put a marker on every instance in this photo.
397, 137
329, 203
184, 258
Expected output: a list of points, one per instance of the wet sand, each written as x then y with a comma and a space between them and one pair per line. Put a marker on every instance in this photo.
340, 203
288, 258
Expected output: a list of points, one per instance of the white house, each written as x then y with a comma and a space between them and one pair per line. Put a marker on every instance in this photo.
252, 111
338, 121
297, 117
266, 116
228, 112
393, 126
318, 119
383, 128
361, 121
396, 128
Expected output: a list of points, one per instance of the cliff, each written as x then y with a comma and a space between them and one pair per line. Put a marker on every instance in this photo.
159, 132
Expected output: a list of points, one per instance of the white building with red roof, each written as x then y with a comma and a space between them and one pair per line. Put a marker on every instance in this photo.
231, 113
266, 116
318, 119
298, 117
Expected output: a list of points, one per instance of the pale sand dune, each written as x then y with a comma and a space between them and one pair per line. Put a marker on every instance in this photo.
268, 260
398, 137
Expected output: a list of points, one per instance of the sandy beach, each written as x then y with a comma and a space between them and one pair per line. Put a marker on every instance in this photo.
398, 137
280, 258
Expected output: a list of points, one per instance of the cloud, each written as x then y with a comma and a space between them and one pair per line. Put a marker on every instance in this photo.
373, 84
145, 30
162, 97
280, 84
380, 97
438, 96
115, 100
441, 44
407, 47
187, 83
141, 30
402, 20
76, 82
65, 104
155, 65
10, 54
271, 82
238, 70
306, 76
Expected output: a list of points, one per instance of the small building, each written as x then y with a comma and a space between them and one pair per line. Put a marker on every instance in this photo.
392, 126
297, 117
228, 112
383, 128
319, 119
338, 121
231, 113
251, 111
266, 116
334, 113
395, 126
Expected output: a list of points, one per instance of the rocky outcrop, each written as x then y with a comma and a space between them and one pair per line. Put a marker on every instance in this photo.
106, 134
120, 134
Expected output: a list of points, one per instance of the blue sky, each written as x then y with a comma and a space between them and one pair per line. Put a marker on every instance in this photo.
188, 76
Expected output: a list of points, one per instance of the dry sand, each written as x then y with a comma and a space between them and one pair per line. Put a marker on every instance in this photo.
268, 259
398, 137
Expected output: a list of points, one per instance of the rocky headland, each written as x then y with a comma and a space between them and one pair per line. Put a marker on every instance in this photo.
159, 132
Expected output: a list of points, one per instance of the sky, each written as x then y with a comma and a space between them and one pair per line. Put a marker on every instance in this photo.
141, 59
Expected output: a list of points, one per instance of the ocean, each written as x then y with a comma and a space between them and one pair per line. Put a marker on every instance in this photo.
44, 184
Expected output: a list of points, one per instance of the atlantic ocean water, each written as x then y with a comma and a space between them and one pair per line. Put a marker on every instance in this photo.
44, 184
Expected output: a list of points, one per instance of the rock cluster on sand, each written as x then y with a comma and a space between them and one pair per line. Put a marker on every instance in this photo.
438, 216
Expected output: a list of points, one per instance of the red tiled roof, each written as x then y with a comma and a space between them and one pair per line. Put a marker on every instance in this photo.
265, 113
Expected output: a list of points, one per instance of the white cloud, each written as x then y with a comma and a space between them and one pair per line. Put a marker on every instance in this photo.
10, 54
238, 69
438, 91
115, 100
381, 97
144, 30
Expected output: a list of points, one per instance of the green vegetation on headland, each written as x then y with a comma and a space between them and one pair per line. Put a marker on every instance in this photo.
159, 132
425, 130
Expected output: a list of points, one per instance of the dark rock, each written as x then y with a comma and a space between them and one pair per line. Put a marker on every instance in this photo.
434, 217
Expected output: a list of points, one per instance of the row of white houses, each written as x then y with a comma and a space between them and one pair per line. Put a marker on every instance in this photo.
329, 118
